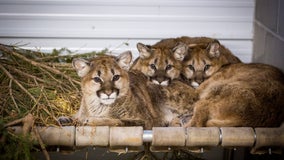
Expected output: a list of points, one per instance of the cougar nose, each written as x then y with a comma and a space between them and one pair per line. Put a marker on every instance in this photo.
160, 76
108, 92
199, 80
160, 79
199, 77
107, 89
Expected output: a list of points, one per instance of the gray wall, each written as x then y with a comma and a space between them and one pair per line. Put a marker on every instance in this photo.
269, 33
93, 25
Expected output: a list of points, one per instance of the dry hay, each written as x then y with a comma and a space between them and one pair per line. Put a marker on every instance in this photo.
36, 88
43, 84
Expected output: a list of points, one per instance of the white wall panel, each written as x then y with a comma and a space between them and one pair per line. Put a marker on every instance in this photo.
86, 25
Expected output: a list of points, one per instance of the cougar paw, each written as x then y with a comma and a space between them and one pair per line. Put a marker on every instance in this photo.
64, 120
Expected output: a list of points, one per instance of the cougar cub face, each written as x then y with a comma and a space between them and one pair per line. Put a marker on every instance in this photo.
160, 65
201, 63
104, 79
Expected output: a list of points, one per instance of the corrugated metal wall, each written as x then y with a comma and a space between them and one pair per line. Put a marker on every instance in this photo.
85, 25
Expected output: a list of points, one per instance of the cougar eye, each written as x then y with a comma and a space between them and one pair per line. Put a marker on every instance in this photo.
191, 67
115, 77
97, 79
169, 67
207, 66
153, 66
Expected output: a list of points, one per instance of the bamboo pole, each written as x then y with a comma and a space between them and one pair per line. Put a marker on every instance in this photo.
205, 136
237, 136
52, 136
126, 139
126, 136
168, 136
92, 136
268, 140
123, 137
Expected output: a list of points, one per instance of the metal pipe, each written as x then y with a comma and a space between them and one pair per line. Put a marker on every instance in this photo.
147, 136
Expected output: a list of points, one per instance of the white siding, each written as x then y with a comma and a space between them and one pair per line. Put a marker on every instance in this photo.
85, 25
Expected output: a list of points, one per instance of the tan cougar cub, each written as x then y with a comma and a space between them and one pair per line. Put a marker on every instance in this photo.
162, 66
233, 94
159, 64
111, 94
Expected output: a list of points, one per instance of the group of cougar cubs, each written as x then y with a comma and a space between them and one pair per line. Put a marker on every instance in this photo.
185, 81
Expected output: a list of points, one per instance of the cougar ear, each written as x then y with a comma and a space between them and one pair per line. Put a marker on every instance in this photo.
180, 51
124, 59
213, 48
144, 50
81, 66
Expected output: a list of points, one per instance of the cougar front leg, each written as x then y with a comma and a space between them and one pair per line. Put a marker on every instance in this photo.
97, 121
200, 115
